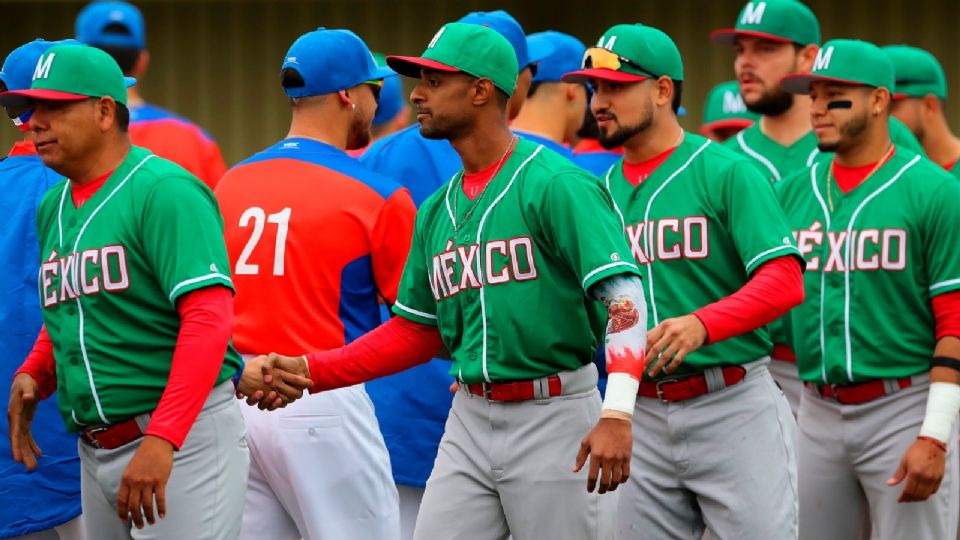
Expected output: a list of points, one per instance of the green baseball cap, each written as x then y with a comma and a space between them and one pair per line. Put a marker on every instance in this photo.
917, 72
73, 73
777, 20
725, 108
630, 53
469, 48
846, 61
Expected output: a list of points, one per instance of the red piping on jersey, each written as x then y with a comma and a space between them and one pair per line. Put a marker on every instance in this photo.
773, 290
946, 313
475, 183
390, 348
850, 177
635, 173
82, 193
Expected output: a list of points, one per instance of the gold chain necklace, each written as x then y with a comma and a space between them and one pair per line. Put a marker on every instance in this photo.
830, 181
476, 201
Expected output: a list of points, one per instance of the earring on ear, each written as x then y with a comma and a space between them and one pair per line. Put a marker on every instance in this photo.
353, 106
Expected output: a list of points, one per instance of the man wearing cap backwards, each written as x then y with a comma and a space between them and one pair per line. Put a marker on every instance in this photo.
412, 406
45, 503
773, 38
505, 261
307, 226
724, 113
878, 337
137, 311
553, 112
918, 102
709, 414
118, 28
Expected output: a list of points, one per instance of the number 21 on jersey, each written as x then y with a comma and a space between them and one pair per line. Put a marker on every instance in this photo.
259, 217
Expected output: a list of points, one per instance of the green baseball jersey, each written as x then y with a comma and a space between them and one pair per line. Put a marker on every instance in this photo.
111, 272
777, 162
702, 222
508, 289
875, 257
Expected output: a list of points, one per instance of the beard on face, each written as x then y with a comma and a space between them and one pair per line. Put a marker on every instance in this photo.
444, 128
848, 132
771, 103
625, 133
359, 135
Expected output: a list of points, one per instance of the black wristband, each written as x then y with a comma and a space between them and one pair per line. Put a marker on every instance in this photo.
944, 361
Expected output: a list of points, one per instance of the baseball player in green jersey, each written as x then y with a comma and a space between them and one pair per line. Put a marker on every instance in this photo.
918, 102
506, 263
137, 309
772, 39
724, 113
709, 414
877, 337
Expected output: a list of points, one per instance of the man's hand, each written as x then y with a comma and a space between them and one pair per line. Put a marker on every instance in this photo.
922, 467
610, 447
273, 381
145, 478
672, 340
24, 396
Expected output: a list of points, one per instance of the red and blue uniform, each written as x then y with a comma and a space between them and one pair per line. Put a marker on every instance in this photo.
175, 138
310, 229
50, 495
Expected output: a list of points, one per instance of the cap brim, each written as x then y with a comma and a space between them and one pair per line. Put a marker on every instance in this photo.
22, 97
799, 83
129, 81
410, 66
603, 74
728, 36
741, 123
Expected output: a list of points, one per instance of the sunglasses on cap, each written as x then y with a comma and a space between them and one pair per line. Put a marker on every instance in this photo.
376, 87
600, 58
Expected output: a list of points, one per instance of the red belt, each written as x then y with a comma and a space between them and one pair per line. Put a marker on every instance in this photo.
688, 387
783, 353
514, 390
112, 436
854, 394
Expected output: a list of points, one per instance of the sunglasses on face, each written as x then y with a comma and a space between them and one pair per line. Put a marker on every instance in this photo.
600, 58
376, 87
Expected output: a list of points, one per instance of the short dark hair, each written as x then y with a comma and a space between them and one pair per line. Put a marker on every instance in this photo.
502, 98
677, 95
533, 88
123, 117
125, 57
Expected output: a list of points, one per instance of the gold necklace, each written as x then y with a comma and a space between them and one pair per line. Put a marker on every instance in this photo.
476, 201
830, 181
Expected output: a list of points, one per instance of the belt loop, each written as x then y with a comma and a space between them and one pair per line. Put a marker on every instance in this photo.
714, 378
143, 420
541, 388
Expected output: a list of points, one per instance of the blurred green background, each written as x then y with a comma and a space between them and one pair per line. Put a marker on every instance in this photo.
217, 61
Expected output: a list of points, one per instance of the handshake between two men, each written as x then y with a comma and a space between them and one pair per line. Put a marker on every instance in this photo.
273, 381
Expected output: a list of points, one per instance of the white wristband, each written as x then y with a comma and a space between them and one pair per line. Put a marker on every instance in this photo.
621, 394
943, 405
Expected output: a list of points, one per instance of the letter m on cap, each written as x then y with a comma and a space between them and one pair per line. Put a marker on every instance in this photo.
42, 70
753, 13
822, 62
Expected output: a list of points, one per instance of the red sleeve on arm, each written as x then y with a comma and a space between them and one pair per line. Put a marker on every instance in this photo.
773, 290
206, 322
946, 313
390, 241
40, 364
215, 166
390, 348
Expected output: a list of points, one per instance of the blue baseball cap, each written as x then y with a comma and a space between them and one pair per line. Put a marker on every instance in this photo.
556, 53
391, 96
506, 26
95, 18
331, 60
18, 68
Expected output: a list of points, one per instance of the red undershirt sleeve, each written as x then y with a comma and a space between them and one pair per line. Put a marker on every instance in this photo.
390, 348
206, 323
774, 289
946, 313
41, 365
